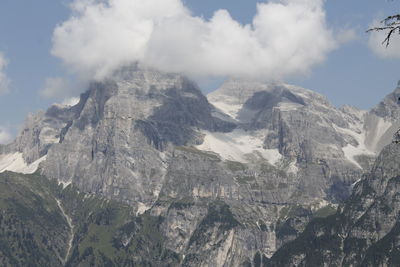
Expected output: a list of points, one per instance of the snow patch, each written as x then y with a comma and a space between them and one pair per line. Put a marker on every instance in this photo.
67, 103
65, 184
142, 208
288, 106
237, 145
70, 102
379, 130
350, 151
356, 182
230, 109
222, 116
15, 163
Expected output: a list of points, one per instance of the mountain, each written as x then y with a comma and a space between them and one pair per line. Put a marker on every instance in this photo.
365, 230
223, 178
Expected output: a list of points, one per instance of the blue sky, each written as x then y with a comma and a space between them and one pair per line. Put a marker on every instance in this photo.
351, 74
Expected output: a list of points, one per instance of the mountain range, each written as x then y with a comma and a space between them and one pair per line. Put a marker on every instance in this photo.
147, 171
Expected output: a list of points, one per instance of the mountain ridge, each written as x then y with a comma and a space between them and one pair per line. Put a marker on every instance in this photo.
155, 142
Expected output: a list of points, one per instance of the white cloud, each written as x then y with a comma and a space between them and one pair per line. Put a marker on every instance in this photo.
376, 43
4, 81
5, 136
286, 37
55, 87
71, 101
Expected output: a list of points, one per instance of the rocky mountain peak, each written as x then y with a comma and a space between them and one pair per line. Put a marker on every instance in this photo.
389, 106
117, 139
247, 96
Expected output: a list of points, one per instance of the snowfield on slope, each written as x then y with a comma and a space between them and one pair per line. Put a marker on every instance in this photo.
15, 163
238, 145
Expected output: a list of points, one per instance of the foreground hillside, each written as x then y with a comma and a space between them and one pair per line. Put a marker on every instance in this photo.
42, 224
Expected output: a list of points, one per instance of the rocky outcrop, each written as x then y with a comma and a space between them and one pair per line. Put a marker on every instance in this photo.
383, 121
364, 231
324, 144
118, 144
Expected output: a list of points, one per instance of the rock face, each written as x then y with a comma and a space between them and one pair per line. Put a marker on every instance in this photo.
232, 177
321, 142
118, 144
365, 230
383, 121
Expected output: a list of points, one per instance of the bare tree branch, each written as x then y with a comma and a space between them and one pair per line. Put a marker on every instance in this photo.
391, 24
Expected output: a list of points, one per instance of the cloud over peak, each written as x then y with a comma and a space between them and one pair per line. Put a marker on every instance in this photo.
286, 37
5, 136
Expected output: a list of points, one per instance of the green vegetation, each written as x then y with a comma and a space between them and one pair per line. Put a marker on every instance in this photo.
109, 234
235, 166
288, 211
32, 228
34, 231
325, 212
182, 203
209, 155
312, 246
385, 250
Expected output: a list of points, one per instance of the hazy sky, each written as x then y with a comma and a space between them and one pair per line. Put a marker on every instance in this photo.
40, 66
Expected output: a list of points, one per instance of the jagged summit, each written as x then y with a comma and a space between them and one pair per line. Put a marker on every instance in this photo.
233, 94
294, 120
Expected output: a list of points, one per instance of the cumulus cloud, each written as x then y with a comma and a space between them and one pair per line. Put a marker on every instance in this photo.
376, 43
286, 37
5, 136
4, 81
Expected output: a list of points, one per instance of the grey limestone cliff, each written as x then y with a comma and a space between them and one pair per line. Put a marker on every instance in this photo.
364, 231
233, 176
